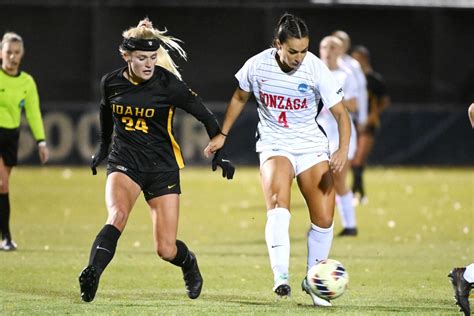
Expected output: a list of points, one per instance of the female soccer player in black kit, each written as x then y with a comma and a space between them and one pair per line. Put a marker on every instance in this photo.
138, 103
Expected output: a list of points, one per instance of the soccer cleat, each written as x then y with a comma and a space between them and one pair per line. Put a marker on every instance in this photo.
89, 282
281, 287
283, 290
192, 278
348, 232
317, 301
462, 288
8, 245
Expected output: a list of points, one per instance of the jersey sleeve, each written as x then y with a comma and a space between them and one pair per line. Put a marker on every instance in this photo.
243, 76
190, 102
32, 110
105, 115
350, 86
330, 90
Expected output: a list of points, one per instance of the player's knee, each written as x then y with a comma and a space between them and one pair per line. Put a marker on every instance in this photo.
3, 186
277, 200
324, 221
118, 217
166, 251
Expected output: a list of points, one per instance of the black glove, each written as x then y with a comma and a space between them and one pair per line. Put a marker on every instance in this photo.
97, 158
220, 160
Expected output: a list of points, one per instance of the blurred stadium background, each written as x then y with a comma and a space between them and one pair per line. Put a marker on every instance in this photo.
423, 48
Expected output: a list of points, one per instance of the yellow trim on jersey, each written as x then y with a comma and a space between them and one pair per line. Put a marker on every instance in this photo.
174, 143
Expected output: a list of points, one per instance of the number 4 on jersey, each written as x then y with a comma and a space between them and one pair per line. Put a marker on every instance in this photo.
282, 119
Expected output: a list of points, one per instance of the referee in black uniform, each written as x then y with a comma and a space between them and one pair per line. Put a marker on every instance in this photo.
138, 104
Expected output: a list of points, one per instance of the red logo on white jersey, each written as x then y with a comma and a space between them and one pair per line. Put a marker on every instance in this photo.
283, 103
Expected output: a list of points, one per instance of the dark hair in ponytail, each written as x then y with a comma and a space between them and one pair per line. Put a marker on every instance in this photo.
290, 26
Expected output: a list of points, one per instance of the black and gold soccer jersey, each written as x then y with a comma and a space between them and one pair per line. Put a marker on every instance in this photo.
376, 91
141, 116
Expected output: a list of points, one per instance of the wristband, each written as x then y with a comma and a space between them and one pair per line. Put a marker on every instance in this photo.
225, 135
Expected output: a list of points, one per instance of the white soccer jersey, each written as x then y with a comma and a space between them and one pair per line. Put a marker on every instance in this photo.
348, 81
288, 102
363, 98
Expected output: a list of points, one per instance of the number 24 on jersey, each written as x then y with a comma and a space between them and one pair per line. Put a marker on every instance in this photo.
138, 125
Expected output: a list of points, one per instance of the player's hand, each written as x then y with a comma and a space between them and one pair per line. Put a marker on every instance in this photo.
43, 152
97, 158
338, 160
216, 143
220, 160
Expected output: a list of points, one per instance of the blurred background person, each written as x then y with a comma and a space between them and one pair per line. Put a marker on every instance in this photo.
379, 100
330, 50
347, 61
17, 92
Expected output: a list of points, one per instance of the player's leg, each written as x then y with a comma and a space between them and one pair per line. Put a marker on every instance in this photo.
7, 244
317, 186
462, 280
345, 206
121, 193
357, 170
277, 174
162, 195
8, 159
165, 214
365, 142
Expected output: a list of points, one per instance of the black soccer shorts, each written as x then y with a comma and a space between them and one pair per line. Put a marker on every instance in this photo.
9, 138
153, 184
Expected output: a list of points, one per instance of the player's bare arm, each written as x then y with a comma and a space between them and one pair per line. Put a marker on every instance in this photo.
339, 157
235, 107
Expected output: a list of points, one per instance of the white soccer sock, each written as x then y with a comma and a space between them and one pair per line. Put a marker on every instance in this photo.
469, 273
319, 244
341, 212
346, 210
278, 240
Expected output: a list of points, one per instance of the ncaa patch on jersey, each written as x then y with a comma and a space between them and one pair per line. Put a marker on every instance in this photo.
303, 87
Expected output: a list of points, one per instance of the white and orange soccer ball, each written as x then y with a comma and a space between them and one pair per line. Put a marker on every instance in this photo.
328, 279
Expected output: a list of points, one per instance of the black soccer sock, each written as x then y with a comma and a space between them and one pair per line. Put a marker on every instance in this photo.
361, 189
5, 216
103, 248
357, 179
182, 259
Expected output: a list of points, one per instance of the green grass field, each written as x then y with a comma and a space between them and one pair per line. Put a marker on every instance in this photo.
418, 225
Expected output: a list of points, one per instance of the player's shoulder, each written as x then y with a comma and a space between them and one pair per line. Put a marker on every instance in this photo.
164, 75
349, 62
168, 80
313, 64
312, 57
113, 75
25, 80
261, 57
26, 77
347, 71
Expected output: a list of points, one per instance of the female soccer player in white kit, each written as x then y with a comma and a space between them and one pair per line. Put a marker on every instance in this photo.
330, 49
291, 85
361, 116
